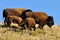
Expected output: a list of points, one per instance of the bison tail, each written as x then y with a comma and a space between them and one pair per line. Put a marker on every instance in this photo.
4, 13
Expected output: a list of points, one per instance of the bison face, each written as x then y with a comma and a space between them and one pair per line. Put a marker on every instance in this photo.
28, 14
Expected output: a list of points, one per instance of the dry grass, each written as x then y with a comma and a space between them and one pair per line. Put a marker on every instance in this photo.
45, 34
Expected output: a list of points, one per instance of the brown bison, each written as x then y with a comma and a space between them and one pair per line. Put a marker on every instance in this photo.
30, 23
50, 21
16, 22
40, 18
12, 12
15, 19
27, 13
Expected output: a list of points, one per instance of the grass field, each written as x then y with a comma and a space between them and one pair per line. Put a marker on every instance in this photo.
45, 34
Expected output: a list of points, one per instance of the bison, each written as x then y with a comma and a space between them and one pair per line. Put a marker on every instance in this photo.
15, 19
12, 12
42, 18
12, 20
16, 22
30, 23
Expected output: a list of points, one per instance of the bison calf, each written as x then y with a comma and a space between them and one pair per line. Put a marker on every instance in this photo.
16, 19
30, 23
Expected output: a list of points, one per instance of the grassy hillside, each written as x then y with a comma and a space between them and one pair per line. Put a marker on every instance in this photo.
45, 34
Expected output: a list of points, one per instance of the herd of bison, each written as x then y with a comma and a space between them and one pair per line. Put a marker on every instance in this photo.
26, 18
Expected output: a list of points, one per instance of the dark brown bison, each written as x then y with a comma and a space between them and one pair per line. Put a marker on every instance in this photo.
40, 18
12, 12
26, 14
50, 21
30, 23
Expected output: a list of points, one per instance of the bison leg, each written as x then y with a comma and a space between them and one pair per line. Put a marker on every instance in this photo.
41, 25
23, 25
5, 23
9, 22
34, 28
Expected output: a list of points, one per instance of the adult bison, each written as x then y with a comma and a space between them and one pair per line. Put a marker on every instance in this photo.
42, 18
12, 12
